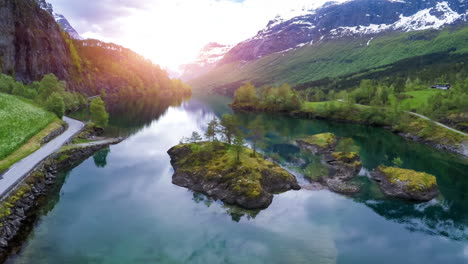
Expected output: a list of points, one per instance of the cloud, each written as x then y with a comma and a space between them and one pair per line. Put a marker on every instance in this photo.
171, 32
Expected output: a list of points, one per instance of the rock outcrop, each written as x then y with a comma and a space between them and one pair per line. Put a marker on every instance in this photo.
406, 184
31, 42
212, 170
339, 167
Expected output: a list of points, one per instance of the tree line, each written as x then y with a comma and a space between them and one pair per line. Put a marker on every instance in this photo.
228, 130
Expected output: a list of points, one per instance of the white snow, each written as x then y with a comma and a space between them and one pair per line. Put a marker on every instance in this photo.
425, 20
422, 20
210, 55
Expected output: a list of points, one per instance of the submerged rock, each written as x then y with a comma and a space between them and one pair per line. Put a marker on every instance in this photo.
337, 168
406, 184
211, 168
319, 144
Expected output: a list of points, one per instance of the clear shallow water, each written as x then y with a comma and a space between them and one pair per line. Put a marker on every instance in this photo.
120, 206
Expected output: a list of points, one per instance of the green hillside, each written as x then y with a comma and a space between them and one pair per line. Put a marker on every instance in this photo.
334, 58
19, 122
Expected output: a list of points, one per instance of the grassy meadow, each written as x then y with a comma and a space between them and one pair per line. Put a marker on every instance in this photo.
19, 122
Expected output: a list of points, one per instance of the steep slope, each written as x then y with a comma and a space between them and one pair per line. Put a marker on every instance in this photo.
31, 43
339, 39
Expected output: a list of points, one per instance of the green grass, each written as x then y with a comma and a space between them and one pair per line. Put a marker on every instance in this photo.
213, 161
335, 58
19, 122
29, 147
325, 140
417, 100
417, 181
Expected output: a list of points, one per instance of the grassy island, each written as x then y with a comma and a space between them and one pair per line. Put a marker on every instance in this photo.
407, 184
213, 168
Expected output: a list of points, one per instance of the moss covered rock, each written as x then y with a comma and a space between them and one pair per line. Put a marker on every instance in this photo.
406, 184
319, 143
213, 169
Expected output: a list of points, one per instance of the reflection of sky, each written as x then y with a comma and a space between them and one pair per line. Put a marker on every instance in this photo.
130, 212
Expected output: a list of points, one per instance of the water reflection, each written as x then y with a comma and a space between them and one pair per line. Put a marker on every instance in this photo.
130, 212
100, 158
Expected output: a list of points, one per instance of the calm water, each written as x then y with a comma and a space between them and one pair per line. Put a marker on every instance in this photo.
120, 206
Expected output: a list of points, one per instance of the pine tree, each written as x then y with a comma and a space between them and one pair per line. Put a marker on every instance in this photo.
238, 145
212, 130
256, 133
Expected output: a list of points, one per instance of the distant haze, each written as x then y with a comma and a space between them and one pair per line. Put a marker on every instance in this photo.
171, 32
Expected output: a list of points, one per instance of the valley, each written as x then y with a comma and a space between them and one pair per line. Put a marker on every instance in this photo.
336, 133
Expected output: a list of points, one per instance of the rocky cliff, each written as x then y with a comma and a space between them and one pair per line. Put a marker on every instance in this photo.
31, 42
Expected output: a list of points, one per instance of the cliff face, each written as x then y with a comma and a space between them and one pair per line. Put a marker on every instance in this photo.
31, 43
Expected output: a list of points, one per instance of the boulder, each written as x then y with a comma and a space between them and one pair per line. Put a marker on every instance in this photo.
406, 184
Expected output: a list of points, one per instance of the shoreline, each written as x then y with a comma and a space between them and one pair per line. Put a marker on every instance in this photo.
19, 209
461, 150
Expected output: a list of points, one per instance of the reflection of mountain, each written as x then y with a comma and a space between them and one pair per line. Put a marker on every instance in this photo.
129, 115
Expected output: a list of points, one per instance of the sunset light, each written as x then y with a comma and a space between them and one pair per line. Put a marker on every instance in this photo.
171, 33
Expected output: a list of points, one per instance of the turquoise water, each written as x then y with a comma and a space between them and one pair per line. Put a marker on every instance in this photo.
121, 207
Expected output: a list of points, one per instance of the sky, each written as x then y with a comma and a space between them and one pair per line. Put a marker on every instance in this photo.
172, 32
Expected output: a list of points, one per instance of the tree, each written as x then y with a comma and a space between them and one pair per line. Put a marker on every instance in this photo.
246, 94
229, 127
256, 133
397, 162
196, 137
55, 104
212, 130
99, 114
238, 145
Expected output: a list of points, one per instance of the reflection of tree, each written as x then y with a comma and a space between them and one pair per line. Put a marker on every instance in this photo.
100, 158
235, 212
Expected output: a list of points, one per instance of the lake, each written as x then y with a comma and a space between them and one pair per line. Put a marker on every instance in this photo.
121, 207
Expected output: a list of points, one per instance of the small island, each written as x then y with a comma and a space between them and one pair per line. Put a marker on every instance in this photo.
406, 184
233, 175
338, 167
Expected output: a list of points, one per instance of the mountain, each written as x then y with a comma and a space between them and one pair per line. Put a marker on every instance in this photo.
207, 59
60, 19
31, 43
66, 26
338, 39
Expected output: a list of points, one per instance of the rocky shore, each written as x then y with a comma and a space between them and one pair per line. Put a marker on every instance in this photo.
210, 169
18, 209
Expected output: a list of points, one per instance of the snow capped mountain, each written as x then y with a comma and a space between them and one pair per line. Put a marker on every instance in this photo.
354, 18
207, 59
212, 53
61, 20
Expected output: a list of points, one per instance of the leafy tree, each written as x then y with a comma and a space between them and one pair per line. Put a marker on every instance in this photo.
246, 94
55, 104
196, 137
212, 130
229, 127
238, 145
256, 133
99, 114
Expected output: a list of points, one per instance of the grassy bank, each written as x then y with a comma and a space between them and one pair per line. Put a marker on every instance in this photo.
20, 124
398, 121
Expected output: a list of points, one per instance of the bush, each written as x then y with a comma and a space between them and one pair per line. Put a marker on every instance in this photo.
55, 104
